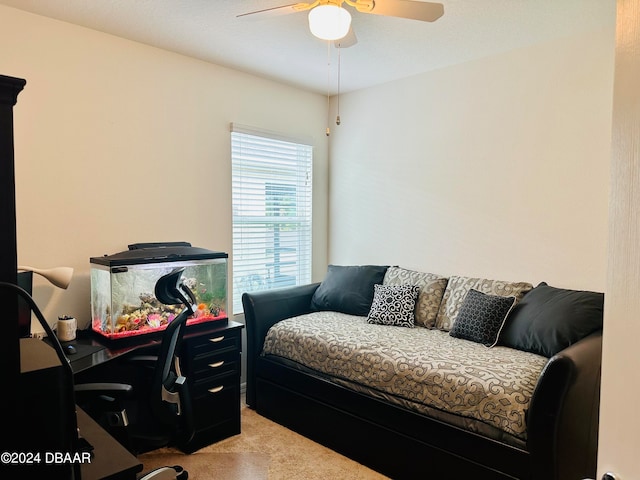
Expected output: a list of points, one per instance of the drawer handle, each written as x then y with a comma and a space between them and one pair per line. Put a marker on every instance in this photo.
216, 389
217, 364
216, 339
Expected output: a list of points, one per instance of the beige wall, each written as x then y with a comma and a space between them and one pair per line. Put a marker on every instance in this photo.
117, 142
495, 168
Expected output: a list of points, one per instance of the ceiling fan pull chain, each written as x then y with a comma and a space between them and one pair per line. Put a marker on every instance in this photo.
338, 95
328, 132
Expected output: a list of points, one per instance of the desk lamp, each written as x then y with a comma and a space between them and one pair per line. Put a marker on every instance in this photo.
59, 276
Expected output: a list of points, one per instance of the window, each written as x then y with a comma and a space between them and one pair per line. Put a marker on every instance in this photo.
271, 201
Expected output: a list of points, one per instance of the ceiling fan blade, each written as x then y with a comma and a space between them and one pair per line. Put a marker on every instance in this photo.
415, 10
348, 40
276, 11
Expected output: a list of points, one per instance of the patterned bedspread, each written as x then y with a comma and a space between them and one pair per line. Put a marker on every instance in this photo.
422, 366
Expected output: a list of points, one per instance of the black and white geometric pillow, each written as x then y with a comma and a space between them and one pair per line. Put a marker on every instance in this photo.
394, 305
481, 317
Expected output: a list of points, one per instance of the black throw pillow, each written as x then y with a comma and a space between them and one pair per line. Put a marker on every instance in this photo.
481, 317
549, 319
348, 289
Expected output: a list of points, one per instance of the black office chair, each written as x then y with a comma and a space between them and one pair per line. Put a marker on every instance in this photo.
152, 409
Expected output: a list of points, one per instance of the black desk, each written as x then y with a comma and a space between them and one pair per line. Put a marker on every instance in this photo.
210, 359
93, 350
46, 423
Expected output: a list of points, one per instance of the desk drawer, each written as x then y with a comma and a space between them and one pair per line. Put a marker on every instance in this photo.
218, 342
217, 418
217, 406
216, 365
210, 386
212, 359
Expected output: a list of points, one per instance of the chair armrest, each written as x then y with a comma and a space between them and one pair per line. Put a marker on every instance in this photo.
104, 388
264, 309
564, 412
143, 359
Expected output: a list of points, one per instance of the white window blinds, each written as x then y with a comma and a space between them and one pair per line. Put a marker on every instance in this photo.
271, 201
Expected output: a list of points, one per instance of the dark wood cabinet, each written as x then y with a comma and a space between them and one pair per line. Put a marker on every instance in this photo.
10, 87
211, 363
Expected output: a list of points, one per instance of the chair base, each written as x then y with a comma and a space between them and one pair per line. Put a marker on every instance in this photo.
166, 473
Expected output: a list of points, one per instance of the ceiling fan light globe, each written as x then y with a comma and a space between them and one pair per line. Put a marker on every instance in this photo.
329, 22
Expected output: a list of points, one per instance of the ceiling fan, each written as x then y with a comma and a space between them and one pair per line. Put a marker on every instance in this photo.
329, 20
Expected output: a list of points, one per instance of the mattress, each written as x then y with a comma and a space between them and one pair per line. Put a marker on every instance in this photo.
481, 389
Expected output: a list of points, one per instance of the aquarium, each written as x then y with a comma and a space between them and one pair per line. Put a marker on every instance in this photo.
123, 303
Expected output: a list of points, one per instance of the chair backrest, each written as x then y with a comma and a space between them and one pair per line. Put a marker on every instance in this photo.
170, 402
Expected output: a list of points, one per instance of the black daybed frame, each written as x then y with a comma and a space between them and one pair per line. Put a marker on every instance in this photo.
562, 419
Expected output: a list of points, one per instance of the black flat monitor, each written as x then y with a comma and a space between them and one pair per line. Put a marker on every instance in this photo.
25, 281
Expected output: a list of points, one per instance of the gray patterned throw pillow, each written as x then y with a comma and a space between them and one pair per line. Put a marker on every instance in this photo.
393, 305
481, 317
431, 291
458, 287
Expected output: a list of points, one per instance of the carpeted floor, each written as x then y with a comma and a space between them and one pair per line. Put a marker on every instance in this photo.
263, 451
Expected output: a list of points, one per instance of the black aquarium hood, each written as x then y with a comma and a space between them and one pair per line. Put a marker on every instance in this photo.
160, 252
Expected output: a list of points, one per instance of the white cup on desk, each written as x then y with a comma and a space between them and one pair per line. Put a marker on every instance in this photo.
66, 329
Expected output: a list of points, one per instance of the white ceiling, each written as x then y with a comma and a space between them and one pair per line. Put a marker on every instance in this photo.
282, 48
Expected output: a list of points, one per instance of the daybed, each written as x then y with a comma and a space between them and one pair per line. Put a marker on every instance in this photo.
417, 375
